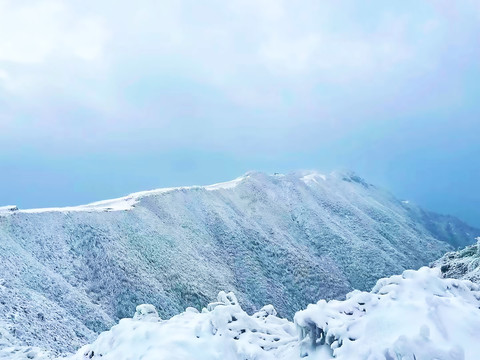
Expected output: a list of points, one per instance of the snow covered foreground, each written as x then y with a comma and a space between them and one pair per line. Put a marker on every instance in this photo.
414, 316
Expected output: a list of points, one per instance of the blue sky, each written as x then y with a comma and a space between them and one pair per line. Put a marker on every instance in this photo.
100, 99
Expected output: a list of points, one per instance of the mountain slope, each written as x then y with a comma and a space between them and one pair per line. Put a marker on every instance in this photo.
288, 240
461, 264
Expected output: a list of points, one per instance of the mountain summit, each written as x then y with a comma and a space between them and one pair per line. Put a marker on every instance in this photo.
289, 240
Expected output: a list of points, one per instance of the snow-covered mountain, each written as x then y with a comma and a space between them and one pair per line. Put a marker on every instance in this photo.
288, 240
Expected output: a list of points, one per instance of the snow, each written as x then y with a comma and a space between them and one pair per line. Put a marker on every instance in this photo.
129, 201
8, 209
461, 264
416, 315
221, 331
146, 312
413, 316
24, 353
226, 185
269, 239
313, 177
123, 203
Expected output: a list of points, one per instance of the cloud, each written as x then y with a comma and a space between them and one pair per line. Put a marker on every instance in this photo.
113, 68
34, 31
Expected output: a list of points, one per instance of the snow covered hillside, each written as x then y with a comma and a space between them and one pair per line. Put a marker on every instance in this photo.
461, 264
69, 273
414, 316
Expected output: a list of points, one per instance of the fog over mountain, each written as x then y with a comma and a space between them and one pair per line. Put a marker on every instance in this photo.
287, 240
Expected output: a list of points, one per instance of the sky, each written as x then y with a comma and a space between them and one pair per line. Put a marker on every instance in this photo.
101, 99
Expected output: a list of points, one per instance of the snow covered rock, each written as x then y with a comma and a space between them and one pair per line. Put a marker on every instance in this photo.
146, 312
265, 311
223, 299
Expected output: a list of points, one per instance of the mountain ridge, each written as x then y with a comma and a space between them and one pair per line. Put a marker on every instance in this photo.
131, 199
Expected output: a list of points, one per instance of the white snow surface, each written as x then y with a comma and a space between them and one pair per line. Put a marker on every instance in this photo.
414, 316
313, 177
122, 203
7, 209
221, 331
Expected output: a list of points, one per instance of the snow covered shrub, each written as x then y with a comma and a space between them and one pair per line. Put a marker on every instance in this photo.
146, 312
413, 316
221, 331
462, 264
